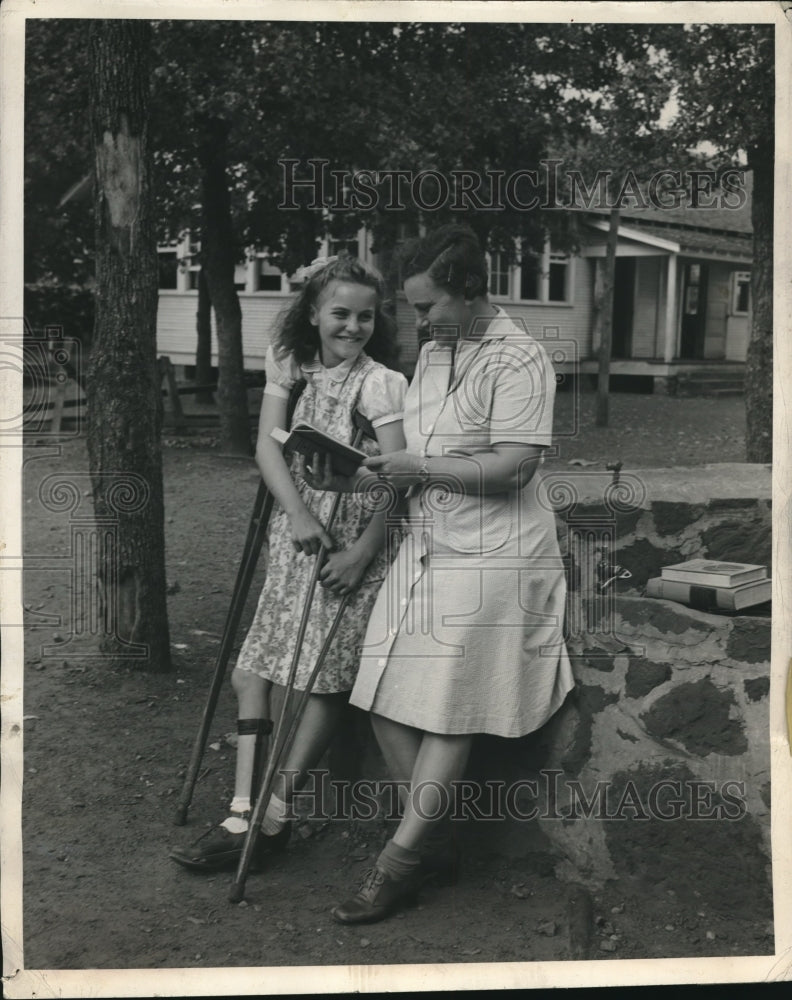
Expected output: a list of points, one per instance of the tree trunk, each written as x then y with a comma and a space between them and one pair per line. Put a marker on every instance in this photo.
218, 253
606, 330
123, 385
759, 360
203, 350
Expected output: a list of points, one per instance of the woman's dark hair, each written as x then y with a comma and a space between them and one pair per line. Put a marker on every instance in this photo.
452, 257
296, 333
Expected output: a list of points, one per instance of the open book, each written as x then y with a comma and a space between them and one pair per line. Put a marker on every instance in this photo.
307, 440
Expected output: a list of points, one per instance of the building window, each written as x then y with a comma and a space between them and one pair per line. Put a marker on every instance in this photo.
178, 267
741, 293
530, 275
349, 245
692, 290
240, 277
545, 277
268, 277
499, 274
168, 262
558, 284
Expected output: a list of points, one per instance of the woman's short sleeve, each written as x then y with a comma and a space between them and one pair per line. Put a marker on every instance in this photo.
523, 393
281, 372
382, 396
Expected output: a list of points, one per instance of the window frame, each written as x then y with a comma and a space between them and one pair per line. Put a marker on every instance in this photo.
508, 271
547, 257
738, 279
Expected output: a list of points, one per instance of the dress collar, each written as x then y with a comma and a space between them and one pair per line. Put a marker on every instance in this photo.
499, 327
336, 374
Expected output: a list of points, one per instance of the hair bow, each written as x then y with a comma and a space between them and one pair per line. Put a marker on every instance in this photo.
307, 271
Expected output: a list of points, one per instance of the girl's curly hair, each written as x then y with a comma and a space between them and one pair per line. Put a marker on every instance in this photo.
297, 335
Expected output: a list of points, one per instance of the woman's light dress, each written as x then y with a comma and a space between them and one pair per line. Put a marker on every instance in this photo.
467, 632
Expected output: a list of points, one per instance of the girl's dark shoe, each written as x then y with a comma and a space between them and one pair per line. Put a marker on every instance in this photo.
218, 850
379, 896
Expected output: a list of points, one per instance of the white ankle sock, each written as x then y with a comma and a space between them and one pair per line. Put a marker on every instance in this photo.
237, 823
274, 820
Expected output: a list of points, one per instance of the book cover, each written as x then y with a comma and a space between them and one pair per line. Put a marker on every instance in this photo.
711, 598
307, 440
711, 573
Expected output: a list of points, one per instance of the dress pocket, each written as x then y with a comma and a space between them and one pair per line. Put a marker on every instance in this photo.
477, 524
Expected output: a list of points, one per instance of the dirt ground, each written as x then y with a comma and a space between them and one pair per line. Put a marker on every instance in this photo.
105, 752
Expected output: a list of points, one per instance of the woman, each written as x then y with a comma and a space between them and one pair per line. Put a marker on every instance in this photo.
466, 635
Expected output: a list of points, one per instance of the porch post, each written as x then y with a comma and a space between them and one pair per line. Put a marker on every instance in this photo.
670, 309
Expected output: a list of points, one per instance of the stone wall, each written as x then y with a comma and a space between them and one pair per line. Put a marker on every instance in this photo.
658, 763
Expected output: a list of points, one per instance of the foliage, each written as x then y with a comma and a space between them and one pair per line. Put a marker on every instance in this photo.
725, 87
58, 250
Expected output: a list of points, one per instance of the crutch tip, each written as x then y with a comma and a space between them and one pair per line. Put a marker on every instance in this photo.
180, 818
236, 893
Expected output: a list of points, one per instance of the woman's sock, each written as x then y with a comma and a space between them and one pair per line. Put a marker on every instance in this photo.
398, 862
275, 817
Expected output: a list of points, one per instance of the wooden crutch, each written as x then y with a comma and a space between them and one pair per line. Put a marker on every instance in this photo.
257, 530
280, 743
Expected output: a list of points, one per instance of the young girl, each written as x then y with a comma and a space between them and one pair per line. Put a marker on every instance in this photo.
322, 338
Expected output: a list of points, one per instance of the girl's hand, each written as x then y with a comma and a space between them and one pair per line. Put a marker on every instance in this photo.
308, 535
343, 571
402, 468
320, 476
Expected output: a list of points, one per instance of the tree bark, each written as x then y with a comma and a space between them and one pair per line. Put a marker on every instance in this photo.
606, 329
218, 252
203, 350
759, 359
123, 385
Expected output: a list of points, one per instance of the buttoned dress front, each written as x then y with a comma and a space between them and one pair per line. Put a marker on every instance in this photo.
466, 635
329, 400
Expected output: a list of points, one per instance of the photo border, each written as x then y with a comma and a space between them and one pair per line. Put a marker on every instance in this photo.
21, 982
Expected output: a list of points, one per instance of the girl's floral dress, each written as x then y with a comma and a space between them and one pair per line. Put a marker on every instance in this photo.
328, 401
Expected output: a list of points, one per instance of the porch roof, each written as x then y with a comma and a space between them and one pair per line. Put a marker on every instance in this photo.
700, 241
665, 237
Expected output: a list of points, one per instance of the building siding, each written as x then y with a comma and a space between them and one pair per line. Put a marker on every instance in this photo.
176, 336
565, 328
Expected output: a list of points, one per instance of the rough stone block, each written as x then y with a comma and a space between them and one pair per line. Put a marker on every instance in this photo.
644, 560
735, 541
672, 518
663, 616
598, 659
698, 715
718, 504
757, 688
644, 676
589, 700
749, 640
